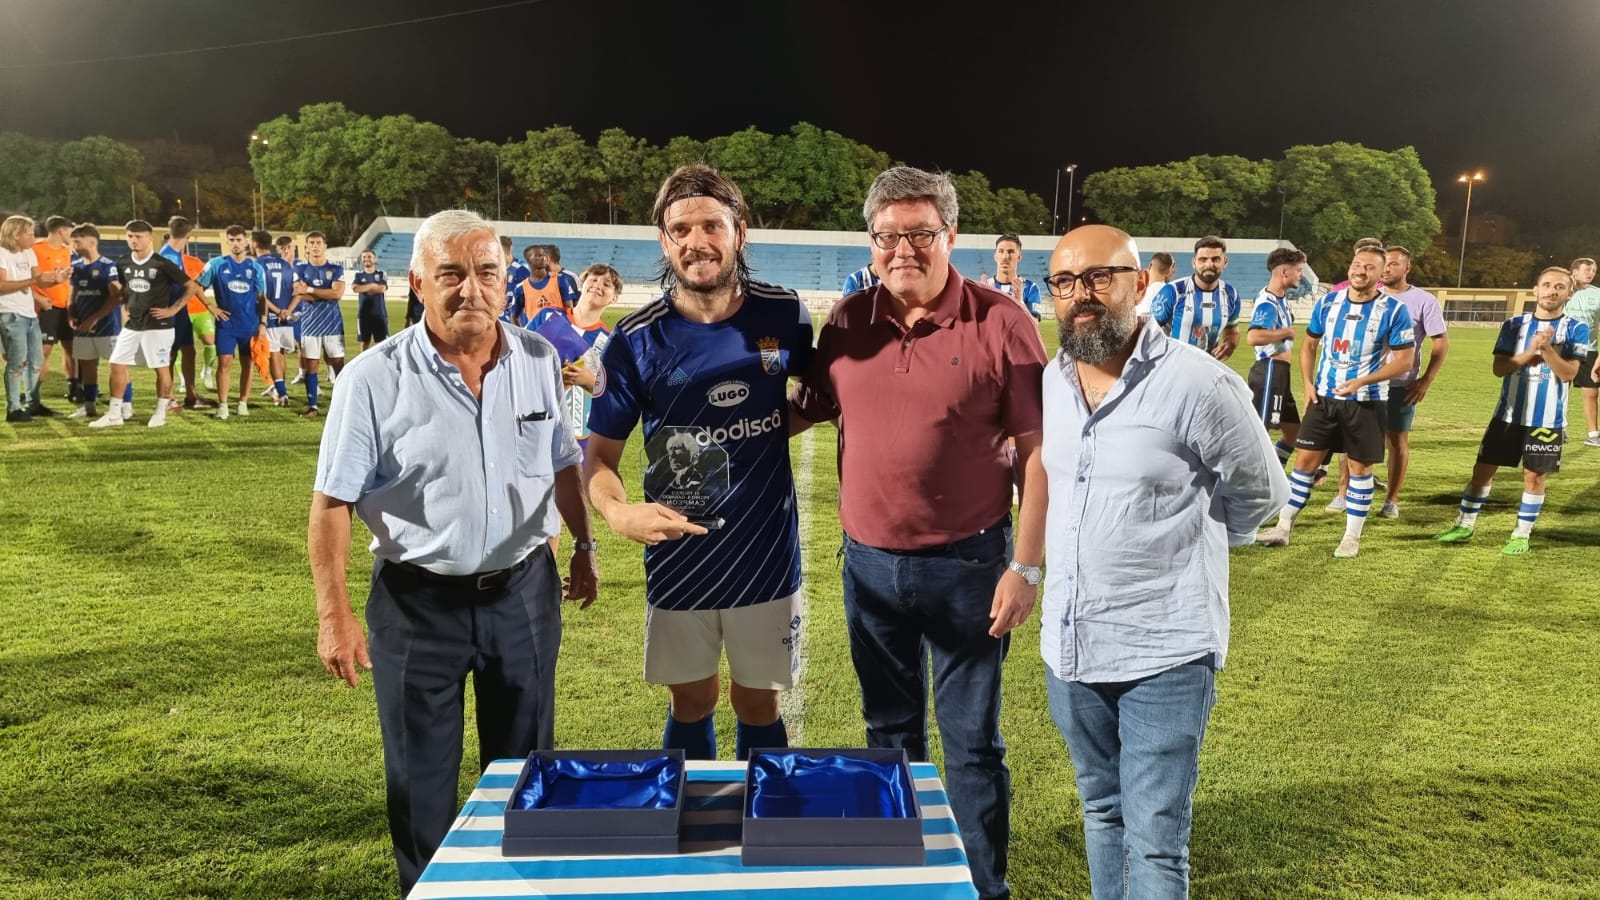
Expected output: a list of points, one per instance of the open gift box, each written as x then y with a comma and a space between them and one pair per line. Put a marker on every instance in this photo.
595, 802
830, 807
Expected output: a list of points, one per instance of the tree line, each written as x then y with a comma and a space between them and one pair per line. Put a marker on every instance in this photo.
330, 168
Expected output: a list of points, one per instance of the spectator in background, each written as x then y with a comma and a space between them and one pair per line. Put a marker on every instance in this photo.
1159, 271
1007, 254
20, 273
54, 252
95, 314
1202, 309
1536, 355
859, 280
565, 283
372, 306
195, 322
1585, 307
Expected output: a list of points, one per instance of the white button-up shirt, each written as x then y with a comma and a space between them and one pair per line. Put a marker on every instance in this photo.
444, 480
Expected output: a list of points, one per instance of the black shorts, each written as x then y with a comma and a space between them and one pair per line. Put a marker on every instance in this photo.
371, 327
1535, 448
1273, 393
1582, 379
1354, 427
53, 326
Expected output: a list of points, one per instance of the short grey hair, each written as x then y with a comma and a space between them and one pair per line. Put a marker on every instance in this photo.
441, 228
906, 183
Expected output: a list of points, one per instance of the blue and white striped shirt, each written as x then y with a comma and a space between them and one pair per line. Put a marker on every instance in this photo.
1194, 316
1272, 313
1356, 341
319, 318
859, 280
1533, 395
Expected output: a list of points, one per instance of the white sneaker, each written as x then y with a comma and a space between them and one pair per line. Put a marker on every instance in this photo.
1348, 547
108, 420
82, 412
180, 385
1391, 510
221, 413
208, 378
299, 377
244, 408
157, 420
268, 392
127, 410
1336, 504
1593, 440
1276, 536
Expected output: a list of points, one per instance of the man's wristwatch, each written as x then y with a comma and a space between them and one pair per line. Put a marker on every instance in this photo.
1031, 574
586, 546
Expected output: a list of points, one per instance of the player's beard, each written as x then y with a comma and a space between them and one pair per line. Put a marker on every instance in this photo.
725, 277
1101, 339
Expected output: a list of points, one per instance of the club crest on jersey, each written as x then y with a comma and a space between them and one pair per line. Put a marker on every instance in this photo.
771, 355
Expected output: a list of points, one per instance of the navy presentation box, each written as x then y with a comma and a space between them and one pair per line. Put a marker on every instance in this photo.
592, 832
834, 841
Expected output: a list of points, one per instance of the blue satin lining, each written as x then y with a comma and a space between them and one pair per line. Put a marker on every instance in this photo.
582, 784
796, 786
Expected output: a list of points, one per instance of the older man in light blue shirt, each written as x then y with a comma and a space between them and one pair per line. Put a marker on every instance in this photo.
1156, 464
449, 443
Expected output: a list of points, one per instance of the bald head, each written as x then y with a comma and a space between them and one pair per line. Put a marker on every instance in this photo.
1096, 317
1088, 246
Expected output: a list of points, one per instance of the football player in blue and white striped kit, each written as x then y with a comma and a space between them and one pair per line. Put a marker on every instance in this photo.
1202, 310
1536, 356
1271, 333
859, 280
1356, 340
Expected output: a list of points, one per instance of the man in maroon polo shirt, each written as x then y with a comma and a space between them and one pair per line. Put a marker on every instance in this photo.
929, 376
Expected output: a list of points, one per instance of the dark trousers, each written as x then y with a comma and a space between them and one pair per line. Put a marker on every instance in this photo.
425, 638
905, 610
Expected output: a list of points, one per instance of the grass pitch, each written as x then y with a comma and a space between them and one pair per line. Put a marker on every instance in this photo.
1418, 722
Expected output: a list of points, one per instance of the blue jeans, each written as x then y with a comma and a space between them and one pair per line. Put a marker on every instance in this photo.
24, 352
904, 609
1135, 746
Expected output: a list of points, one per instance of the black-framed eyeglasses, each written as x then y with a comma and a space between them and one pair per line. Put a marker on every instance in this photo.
1097, 279
921, 239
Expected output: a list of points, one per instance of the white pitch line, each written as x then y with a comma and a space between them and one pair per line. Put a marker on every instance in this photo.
792, 705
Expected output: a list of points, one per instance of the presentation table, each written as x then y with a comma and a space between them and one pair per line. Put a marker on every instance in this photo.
707, 867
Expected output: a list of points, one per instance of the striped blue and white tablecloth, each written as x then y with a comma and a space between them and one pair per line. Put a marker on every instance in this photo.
707, 867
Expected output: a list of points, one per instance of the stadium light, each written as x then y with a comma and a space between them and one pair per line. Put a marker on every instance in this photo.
1072, 172
261, 196
1055, 208
1461, 264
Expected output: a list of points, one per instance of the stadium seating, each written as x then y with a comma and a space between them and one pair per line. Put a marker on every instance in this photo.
818, 267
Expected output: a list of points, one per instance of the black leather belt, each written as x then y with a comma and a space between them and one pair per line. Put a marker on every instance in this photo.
477, 581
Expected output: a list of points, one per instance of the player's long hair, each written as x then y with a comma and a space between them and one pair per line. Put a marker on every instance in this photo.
699, 180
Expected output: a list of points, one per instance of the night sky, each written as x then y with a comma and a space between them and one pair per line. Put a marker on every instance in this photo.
1010, 89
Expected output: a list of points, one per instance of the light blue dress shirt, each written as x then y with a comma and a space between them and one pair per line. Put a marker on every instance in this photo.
446, 481
1146, 495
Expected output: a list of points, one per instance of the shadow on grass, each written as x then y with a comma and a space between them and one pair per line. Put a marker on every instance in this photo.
1468, 832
